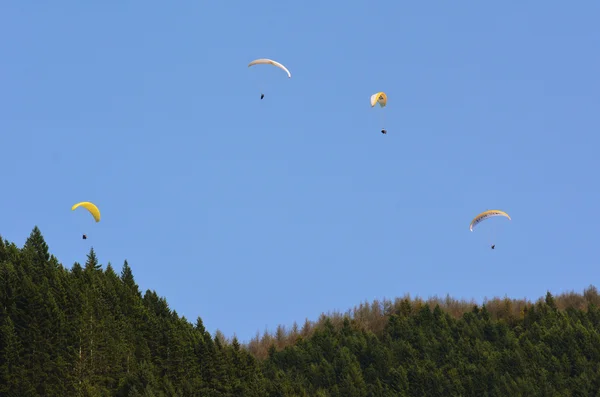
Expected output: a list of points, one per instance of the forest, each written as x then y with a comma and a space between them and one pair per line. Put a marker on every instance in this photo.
88, 331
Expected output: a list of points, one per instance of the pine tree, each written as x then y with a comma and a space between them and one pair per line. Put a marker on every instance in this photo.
11, 373
36, 245
91, 263
128, 280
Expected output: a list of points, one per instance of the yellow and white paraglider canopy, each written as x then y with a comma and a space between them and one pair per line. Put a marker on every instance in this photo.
91, 207
265, 61
379, 98
486, 215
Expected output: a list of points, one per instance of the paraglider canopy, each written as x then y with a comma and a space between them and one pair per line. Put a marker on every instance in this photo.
380, 98
91, 207
265, 61
486, 215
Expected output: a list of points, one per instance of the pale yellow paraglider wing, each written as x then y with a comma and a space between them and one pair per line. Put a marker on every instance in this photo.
485, 215
380, 98
264, 61
90, 207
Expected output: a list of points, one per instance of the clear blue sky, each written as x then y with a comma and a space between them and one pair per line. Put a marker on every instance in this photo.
255, 213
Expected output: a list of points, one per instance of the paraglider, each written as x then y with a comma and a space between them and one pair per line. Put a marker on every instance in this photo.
265, 61
381, 99
486, 215
92, 209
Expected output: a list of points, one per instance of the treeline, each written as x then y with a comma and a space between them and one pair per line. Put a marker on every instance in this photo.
88, 331
374, 316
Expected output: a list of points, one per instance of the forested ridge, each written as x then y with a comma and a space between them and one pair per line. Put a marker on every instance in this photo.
88, 331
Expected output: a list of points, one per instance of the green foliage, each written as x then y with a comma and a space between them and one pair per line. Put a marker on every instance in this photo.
91, 332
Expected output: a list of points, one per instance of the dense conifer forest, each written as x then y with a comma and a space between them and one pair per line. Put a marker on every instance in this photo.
88, 331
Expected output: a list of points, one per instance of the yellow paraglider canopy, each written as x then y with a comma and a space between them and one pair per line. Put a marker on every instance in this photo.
91, 207
485, 215
380, 98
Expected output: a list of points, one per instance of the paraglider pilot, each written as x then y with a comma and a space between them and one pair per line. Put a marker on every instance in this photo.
493, 246
262, 96
383, 131
84, 237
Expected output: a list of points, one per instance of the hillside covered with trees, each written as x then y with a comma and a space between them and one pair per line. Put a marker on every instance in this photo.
88, 331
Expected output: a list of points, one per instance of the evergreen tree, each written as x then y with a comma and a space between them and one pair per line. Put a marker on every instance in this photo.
91, 264
11, 370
